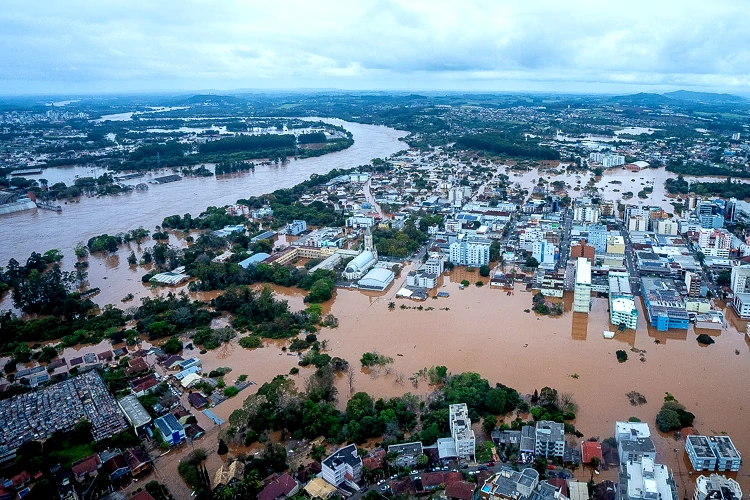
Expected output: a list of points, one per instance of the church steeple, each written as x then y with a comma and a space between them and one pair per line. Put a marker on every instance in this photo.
368, 240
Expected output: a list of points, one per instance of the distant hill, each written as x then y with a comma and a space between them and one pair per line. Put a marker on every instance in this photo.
210, 99
641, 99
705, 97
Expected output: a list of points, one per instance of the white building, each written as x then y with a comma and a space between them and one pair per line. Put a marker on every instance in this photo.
622, 309
646, 480
360, 221
634, 441
637, 211
376, 279
715, 242
550, 439
296, 227
422, 279
740, 281
470, 251
716, 487
463, 436
582, 291
434, 265
607, 160
456, 197
364, 261
586, 213
544, 252
345, 465
666, 226
637, 223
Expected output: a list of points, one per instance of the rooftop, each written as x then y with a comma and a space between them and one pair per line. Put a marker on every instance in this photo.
701, 446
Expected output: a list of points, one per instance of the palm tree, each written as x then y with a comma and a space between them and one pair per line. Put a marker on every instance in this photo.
391, 305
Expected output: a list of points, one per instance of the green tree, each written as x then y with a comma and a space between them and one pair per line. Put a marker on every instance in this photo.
172, 346
484, 270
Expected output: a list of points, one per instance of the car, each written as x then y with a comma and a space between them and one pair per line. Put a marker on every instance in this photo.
413, 472
491, 463
464, 466
445, 468
395, 476
550, 467
482, 467
363, 489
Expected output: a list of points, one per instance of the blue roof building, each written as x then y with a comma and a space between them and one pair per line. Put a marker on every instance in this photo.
170, 428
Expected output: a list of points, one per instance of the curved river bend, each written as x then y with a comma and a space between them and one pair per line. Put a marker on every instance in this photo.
40, 230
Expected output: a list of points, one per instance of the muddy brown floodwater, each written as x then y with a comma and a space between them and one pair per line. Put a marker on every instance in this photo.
488, 332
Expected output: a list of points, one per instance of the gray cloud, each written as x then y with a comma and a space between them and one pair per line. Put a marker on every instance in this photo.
77, 45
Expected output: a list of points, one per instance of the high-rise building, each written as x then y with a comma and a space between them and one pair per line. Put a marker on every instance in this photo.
582, 291
622, 309
586, 213
460, 426
470, 251
740, 280
693, 282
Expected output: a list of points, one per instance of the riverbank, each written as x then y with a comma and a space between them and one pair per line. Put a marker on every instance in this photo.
25, 232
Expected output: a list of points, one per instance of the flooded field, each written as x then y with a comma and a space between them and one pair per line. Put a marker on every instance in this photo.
487, 331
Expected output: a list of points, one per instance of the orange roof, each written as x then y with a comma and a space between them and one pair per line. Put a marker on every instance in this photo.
591, 449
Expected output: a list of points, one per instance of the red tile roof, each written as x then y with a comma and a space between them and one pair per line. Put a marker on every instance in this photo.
281, 486
591, 449
89, 465
142, 495
460, 489
430, 479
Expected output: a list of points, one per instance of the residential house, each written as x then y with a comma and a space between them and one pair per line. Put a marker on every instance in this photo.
282, 487
138, 460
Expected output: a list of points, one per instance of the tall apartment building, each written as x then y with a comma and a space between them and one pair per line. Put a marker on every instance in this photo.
586, 213
463, 436
622, 309
607, 160
550, 439
582, 290
740, 282
693, 282
543, 251
715, 242
665, 226
637, 223
598, 237
637, 211
470, 251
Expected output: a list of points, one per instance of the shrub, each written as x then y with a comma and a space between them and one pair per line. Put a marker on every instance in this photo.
231, 391
704, 339
251, 342
622, 356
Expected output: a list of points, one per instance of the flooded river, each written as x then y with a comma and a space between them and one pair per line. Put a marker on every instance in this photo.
40, 230
483, 330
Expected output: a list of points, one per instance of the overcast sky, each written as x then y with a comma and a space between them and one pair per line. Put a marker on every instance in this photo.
68, 46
